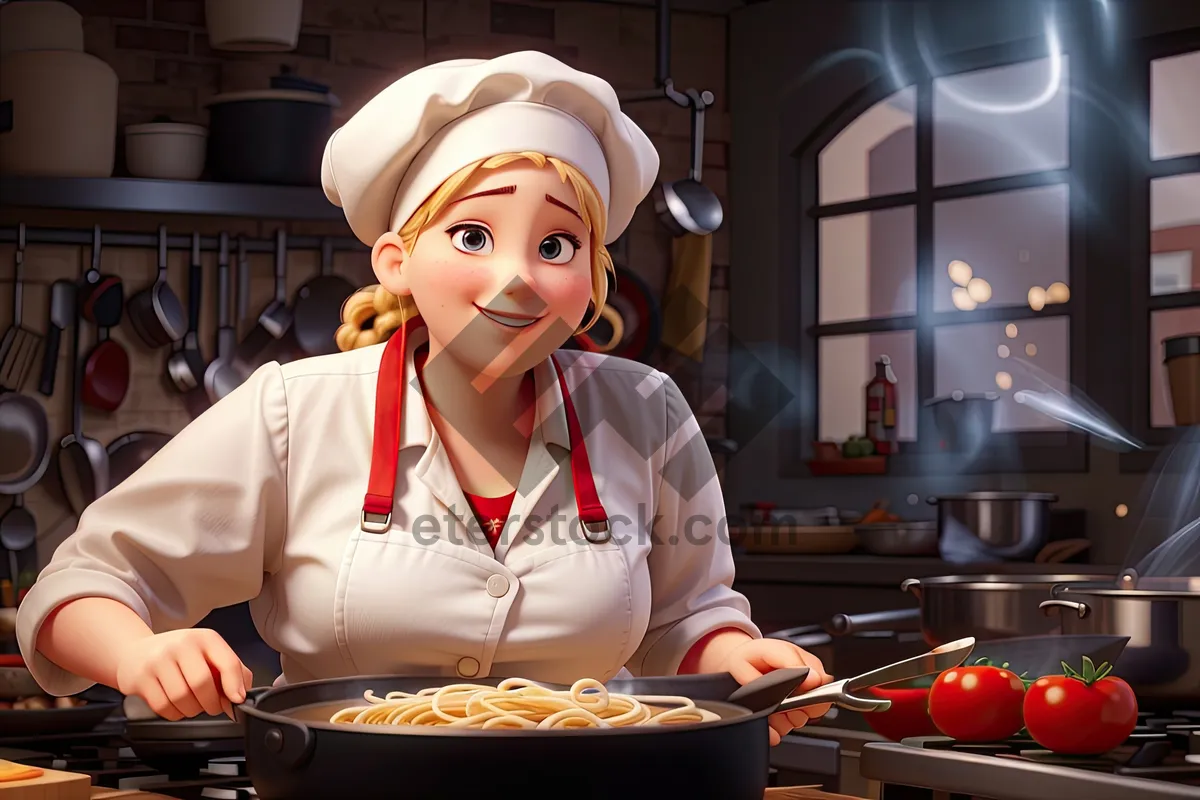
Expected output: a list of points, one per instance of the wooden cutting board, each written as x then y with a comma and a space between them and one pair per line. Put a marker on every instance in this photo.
50, 785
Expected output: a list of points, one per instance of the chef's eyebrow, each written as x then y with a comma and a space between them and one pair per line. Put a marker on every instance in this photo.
487, 193
554, 201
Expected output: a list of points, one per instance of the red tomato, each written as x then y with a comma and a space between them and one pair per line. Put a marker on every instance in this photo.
1080, 713
981, 703
908, 716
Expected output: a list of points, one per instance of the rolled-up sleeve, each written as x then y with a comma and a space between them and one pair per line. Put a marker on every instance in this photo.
691, 564
194, 529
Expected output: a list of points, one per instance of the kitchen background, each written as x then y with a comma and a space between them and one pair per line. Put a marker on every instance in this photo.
160, 51
1000, 198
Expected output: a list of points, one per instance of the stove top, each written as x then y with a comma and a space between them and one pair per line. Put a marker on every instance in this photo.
111, 762
1161, 759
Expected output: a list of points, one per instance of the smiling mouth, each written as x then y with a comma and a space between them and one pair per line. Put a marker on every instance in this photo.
507, 320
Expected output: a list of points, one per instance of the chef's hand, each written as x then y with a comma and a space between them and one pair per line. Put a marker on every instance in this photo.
184, 673
755, 658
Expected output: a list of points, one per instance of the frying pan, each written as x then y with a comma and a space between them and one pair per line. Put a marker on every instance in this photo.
101, 702
273, 323
318, 311
220, 378
155, 312
101, 298
24, 442
127, 453
641, 318
82, 462
292, 751
186, 365
62, 310
106, 371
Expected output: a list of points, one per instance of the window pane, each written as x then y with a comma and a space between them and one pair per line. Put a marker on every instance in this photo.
1010, 241
984, 358
874, 155
1174, 117
1175, 234
1164, 325
868, 265
847, 363
997, 122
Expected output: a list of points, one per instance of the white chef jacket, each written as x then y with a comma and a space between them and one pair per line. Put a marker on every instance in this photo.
259, 499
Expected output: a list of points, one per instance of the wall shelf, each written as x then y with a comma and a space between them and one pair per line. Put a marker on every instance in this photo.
169, 197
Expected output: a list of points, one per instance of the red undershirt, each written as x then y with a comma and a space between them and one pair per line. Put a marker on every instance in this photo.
492, 513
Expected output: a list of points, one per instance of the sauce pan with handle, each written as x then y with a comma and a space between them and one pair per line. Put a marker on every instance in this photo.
294, 752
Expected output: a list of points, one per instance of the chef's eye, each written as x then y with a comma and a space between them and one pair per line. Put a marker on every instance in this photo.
559, 248
471, 239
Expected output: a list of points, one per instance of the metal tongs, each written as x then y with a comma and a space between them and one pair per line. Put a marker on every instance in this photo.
774, 686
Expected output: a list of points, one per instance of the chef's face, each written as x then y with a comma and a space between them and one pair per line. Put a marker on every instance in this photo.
502, 276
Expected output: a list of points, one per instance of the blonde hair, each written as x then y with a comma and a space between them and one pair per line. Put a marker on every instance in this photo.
372, 314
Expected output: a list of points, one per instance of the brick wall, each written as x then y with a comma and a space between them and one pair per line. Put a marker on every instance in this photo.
160, 51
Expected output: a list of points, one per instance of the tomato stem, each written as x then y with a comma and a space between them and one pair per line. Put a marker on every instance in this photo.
1090, 673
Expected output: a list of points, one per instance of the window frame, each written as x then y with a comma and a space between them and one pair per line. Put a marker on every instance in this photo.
1023, 451
1143, 171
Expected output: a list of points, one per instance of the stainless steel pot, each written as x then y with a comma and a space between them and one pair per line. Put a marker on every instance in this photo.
1011, 526
899, 538
1161, 617
984, 606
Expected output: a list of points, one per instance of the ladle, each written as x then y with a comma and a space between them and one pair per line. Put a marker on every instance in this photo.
18, 531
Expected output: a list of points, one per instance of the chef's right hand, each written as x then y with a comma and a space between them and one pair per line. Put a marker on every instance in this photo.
184, 673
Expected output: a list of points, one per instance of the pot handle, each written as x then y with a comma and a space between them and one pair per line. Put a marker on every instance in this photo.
905, 619
912, 586
1050, 606
289, 742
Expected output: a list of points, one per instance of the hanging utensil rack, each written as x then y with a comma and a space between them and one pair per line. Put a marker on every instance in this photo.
82, 237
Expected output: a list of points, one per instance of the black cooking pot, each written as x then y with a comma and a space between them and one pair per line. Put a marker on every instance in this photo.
273, 136
294, 752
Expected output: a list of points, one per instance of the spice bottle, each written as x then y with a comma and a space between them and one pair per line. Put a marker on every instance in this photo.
881, 409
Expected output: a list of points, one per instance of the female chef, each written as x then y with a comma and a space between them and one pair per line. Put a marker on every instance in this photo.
379, 508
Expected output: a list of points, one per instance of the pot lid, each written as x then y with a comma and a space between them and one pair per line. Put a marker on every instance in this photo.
1039, 496
184, 128
1186, 345
291, 95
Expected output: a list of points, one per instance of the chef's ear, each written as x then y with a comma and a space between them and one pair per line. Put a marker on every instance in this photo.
387, 259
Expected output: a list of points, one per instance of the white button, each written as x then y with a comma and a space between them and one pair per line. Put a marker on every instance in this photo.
497, 586
468, 667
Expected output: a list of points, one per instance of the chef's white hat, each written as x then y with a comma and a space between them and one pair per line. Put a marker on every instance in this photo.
399, 148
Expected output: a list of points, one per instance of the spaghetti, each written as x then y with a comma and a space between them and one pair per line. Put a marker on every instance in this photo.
519, 704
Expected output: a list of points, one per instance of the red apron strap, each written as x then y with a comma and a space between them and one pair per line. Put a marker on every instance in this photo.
592, 518
376, 514
389, 409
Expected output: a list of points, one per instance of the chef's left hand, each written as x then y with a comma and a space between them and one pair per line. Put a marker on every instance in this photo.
755, 658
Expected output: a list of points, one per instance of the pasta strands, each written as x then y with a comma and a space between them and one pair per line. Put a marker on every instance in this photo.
520, 704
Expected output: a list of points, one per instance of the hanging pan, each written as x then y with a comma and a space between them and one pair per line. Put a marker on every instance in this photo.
318, 308
155, 312
106, 370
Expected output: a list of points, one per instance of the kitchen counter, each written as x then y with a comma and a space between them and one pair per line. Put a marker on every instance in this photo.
774, 793
866, 570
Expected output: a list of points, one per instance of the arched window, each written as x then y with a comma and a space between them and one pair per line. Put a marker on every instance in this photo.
943, 222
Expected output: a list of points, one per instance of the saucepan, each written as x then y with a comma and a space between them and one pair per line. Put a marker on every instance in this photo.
1161, 615
983, 606
294, 752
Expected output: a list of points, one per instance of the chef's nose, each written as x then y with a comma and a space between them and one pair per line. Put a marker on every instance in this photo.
519, 282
